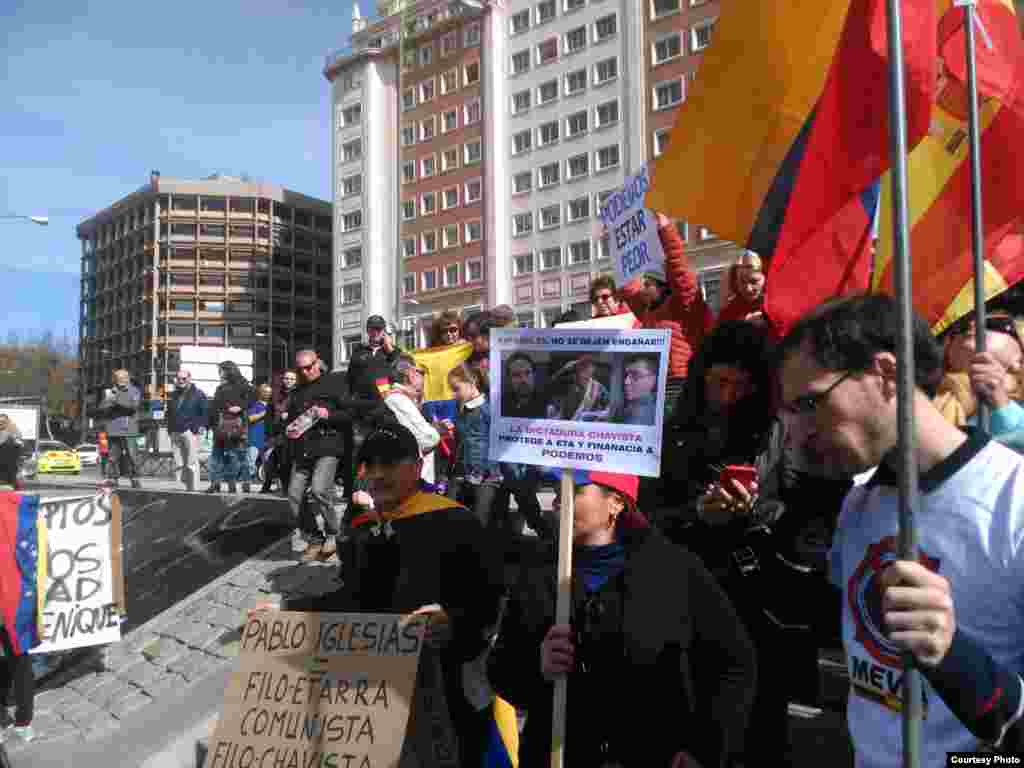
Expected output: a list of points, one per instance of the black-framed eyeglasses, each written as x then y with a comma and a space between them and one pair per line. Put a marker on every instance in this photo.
309, 367
806, 404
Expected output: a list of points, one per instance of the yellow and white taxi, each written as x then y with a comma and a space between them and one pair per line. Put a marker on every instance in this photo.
57, 457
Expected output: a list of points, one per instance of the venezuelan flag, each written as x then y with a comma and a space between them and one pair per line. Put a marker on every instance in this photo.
503, 737
785, 133
438, 398
939, 193
22, 539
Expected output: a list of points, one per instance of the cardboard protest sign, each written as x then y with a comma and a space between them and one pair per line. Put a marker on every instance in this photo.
633, 231
597, 398
81, 602
331, 690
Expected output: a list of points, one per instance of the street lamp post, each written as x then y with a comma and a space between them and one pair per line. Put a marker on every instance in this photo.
40, 220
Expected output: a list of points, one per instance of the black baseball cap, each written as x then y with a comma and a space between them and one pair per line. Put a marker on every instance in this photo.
390, 444
376, 321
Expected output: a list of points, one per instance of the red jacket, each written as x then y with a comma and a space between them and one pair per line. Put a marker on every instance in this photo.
684, 312
738, 308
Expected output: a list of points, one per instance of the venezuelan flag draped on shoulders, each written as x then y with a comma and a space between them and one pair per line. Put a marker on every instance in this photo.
22, 538
784, 136
438, 398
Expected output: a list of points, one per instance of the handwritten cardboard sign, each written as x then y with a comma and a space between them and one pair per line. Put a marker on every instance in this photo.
82, 601
633, 231
332, 690
603, 397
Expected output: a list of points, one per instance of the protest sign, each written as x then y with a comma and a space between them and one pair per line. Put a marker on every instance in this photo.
81, 602
633, 231
331, 690
624, 321
598, 395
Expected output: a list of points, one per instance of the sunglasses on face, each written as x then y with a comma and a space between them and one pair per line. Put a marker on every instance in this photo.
997, 323
603, 297
309, 367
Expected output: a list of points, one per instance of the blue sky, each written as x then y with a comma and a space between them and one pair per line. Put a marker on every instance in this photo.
93, 95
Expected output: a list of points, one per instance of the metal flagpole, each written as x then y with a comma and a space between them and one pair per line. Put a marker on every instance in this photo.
908, 498
977, 233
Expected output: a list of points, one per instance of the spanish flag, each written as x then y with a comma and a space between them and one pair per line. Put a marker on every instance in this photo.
784, 135
939, 193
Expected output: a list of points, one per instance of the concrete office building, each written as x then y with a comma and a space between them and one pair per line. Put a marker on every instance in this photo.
215, 262
414, 169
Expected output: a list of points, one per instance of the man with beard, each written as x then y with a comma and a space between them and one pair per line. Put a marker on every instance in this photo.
586, 398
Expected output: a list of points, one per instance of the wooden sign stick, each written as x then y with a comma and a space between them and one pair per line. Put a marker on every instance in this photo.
563, 609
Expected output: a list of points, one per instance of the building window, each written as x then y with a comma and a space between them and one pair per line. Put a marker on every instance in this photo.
471, 73
428, 242
522, 264
212, 331
602, 198
352, 293
547, 92
550, 217
428, 280
449, 44
577, 166
351, 115
451, 275
352, 257
409, 59
606, 28
426, 56
408, 171
450, 81
660, 141
667, 48
180, 329
607, 113
450, 236
576, 40
700, 35
471, 114
428, 166
474, 231
472, 152
579, 252
352, 185
522, 183
428, 127
576, 124
352, 221
408, 210
428, 204
607, 158
550, 258
352, 150
211, 306
408, 247
668, 94
449, 120
520, 22
520, 62
575, 82
548, 175
351, 342
450, 198
520, 102
661, 8
408, 135
472, 36
547, 134
578, 209
711, 287
450, 159
606, 70
603, 249
408, 99
473, 192
409, 284
545, 11
522, 224
547, 51
474, 271
183, 305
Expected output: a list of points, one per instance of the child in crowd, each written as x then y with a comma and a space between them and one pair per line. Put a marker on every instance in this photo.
475, 479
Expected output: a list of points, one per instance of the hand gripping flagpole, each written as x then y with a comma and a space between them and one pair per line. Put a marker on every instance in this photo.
908, 496
977, 232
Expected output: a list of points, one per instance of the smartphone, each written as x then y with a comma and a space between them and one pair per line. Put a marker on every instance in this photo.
744, 474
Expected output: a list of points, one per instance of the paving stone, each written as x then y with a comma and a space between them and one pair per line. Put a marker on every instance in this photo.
110, 692
204, 640
168, 684
142, 674
196, 610
166, 652
56, 699
223, 616
86, 686
115, 656
233, 596
292, 579
128, 704
97, 723
80, 710
227, 647
196, 666
245, 577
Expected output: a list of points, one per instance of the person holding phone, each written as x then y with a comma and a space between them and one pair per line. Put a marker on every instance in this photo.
120, 406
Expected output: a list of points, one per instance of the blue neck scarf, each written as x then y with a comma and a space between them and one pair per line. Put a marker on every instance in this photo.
597, 565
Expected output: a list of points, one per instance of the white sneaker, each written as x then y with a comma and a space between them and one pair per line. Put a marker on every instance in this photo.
23, 732
299, 542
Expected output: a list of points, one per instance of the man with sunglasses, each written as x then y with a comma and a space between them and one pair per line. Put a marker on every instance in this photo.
958, 610
603, 301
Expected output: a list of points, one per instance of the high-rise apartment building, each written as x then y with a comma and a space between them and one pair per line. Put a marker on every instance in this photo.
415, 174
215, 262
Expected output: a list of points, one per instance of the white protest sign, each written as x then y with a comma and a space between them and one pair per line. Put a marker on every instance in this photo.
597, 398
633, 231
82, 599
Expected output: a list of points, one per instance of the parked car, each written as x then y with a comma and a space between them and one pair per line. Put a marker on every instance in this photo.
56, 457
89, 454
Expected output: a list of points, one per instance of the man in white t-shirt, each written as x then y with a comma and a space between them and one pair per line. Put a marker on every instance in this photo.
960, 609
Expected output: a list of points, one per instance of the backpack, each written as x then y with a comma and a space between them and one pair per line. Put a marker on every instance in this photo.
230, 428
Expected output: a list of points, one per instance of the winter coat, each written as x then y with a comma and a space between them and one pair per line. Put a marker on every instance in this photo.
684, 312
122, 411
366, 368
229, 395
473, 440
667, 645
738, 308
187, 410
327, 436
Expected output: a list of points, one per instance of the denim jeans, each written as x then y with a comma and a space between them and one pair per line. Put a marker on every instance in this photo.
123, 451
228, 464
321, 473
253, 456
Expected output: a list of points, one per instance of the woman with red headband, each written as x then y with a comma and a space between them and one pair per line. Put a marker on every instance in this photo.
660, 670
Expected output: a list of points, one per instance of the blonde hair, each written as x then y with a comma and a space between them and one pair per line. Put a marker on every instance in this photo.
749, 259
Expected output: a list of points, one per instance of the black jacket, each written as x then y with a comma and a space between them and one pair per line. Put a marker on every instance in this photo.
682, 679
187, 411
366, 366
227, 395
326, 437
